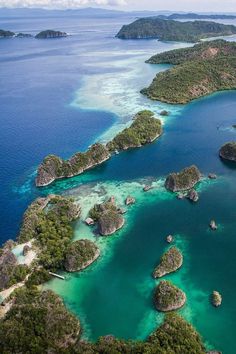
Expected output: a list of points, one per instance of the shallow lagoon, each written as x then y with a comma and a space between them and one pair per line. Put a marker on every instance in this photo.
48, 106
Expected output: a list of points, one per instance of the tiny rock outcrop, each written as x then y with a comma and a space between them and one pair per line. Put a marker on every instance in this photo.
216, 299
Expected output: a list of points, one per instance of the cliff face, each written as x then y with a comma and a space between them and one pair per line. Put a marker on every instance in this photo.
184, 180
228, 151
53, 167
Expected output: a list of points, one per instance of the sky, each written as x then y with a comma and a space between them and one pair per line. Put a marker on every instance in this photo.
173, 5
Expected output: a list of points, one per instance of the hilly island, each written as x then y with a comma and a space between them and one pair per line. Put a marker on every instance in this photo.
206, 68
170, 30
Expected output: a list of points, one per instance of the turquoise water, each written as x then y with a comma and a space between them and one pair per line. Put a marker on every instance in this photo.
84, 89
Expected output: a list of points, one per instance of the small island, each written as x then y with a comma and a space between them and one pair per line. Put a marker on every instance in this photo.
170, 30
50, 34
171, 261
80, 254
206, 68
184, 180
216, 299
108, 217
228, 151
168, 297
143, 130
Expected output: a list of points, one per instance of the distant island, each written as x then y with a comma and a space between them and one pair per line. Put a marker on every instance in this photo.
50, 34
170, 30
47, 34
201, 70
193, 16
144, 129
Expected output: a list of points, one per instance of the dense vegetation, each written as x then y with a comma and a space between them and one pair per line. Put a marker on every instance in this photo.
144, 129
169, 30
37, 323
171, 260
168, 297
80, 254
183, 180
50, 34
53, 167
203, 69
48, 220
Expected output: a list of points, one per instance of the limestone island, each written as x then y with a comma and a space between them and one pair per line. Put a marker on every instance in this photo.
170, 30
80, 254
168, 297
184, 180
145, 128
228, 151
171, 261
50, 34
216, 299
108, 217
206, 68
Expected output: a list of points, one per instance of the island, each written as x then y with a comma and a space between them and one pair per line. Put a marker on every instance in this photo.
80, 254
216, 299
6, 34
144, 129
108, 217
50, 34
193, 16
168, 297
170, 30
183, 180
53, 167
24, 35
171, 261
228, 151
206, 68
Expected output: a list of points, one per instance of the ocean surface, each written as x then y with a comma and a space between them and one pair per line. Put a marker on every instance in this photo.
59, 96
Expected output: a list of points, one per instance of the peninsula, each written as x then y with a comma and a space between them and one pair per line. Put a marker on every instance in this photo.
170, 30
145, 128
200, 70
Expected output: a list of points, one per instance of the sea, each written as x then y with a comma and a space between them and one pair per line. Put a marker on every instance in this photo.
59, 96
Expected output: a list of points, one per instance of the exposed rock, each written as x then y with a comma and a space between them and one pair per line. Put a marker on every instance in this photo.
213, 225
213, 352
89, 221
80, 254
169, 239
26, 249
184, 180
108, 217
147, 188
50, 34
228, 151
216, 299
193, 195
180, 196
170, 262
9, 244
130, 200
168, 297
212, 176
164, 113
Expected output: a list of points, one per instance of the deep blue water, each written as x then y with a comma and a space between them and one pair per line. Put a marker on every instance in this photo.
59, 96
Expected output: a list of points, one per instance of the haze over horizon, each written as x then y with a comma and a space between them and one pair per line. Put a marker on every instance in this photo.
127, 5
